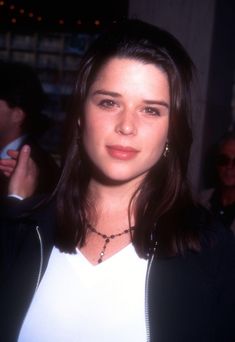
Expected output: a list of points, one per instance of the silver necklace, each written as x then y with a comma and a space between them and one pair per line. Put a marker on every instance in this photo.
107, 239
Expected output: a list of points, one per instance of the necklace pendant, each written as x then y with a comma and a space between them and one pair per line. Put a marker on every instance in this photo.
101, 257
107, 239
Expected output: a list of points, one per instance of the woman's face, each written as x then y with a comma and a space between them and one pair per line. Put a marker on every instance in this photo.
126, 119
226, 164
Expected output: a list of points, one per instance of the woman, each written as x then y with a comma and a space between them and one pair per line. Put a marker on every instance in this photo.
131, 257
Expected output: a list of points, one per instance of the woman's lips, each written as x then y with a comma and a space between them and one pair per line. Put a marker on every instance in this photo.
121, 152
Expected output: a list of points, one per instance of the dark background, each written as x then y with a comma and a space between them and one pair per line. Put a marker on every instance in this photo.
70, 11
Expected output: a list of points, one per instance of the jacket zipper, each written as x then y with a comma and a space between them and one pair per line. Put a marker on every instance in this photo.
41, 258
41, 262
150, 261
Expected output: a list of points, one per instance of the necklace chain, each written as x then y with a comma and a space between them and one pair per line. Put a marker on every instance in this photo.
107, 238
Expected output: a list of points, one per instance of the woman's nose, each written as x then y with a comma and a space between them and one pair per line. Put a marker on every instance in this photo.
126, 123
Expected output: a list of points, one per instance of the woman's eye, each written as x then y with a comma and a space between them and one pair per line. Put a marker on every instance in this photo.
107, 103
152, 111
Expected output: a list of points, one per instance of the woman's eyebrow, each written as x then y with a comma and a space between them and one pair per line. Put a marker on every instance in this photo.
157, 102
106, 92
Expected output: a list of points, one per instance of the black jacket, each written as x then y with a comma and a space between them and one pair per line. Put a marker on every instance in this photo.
189, 298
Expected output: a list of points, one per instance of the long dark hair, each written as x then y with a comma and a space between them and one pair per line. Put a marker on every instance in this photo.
164, 194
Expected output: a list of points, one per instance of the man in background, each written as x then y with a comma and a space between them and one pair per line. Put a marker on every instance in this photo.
21, 122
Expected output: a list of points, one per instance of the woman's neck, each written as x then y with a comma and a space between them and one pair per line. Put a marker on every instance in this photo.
110, 214
111, 196
112, 204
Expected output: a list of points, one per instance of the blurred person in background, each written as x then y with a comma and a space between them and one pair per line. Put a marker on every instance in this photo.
21, 122
220, 198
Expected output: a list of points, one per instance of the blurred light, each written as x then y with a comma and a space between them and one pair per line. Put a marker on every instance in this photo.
1, 3
13, 20
97, 22
31, 14
12, 7
79, 22
61, 21
39, 18
21, 11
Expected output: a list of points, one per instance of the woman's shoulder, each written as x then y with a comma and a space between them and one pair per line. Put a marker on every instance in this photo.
29, 221
33, 208
214, 259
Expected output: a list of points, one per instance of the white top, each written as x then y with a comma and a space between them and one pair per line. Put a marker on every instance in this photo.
13, 145
78, 301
